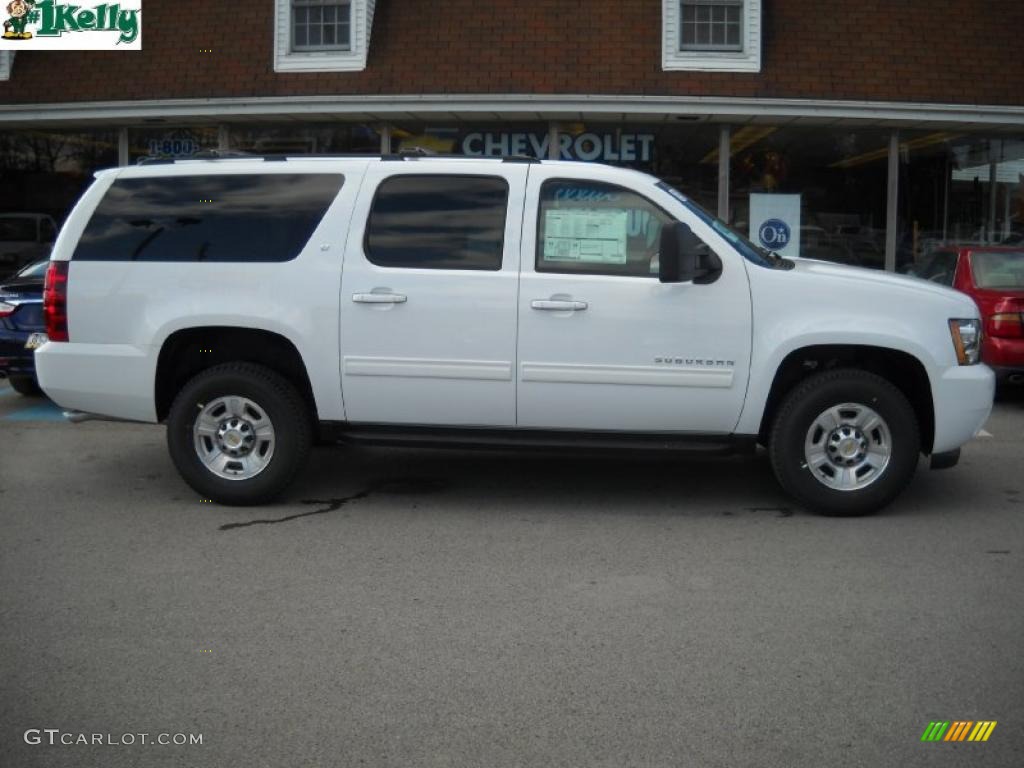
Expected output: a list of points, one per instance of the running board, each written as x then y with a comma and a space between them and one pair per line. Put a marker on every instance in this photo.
77, 417
463, 437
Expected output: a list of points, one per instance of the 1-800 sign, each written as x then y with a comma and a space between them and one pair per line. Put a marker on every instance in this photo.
174, 147
774, 233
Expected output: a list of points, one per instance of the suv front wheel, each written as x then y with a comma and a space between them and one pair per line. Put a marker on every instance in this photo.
845, 442
239, 433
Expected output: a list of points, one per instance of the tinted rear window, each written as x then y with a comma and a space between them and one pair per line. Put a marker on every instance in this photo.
34, 270
16, 228
998, 269
438, 222
247, 217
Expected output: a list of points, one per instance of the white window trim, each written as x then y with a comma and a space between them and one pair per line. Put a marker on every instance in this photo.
6, 64
351, 60
746, 60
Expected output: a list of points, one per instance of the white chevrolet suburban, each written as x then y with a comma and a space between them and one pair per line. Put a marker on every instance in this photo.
256, 305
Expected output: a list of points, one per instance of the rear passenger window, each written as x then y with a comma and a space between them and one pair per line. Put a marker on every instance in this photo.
438, 222
238, 217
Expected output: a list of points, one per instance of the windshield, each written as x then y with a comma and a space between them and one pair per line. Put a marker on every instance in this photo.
38, 269
747, 249
992, 269
17, 228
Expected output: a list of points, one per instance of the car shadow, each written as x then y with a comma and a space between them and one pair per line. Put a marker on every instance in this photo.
500, 481
1010, 394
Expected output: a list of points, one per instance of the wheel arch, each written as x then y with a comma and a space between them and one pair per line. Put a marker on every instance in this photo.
902, 369
189, 351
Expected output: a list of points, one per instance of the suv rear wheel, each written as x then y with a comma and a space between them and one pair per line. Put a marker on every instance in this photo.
239, 433
845, 442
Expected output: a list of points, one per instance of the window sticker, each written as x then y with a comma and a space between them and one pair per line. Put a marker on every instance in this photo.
587, 236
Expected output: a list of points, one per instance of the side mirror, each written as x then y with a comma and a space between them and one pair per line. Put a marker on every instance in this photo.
683, 257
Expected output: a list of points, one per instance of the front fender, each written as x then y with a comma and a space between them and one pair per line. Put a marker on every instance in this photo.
805, 308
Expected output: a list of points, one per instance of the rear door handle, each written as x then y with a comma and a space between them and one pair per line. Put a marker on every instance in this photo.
379, 298
558, 305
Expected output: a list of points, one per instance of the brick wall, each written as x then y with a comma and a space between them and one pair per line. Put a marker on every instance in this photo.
952, 51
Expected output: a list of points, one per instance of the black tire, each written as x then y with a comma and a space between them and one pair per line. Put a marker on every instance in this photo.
798, 412
26, 385
283, 405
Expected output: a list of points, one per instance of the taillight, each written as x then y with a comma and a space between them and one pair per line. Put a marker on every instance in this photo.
55, 301
7, 309
1006, 325
1007, 319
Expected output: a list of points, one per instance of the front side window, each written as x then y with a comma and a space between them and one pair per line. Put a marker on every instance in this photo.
752, 253
711, 25
321, 25
588, 227
438, 222
224, 217
940, 268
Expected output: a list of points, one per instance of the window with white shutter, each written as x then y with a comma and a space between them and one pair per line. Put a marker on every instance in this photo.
711, 35
322, 35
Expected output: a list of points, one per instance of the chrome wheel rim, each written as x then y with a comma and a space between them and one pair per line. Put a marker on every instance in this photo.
848, 447
233, 437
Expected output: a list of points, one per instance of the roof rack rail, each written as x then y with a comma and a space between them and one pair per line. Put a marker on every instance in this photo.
415, 153
205, 154
412, 153
217, 154
408, 153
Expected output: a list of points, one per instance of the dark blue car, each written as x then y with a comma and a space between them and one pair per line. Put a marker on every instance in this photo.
21, 316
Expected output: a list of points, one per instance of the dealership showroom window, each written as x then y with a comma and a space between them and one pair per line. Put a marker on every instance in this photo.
954, 188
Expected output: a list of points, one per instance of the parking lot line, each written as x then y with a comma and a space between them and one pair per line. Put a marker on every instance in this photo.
42, 412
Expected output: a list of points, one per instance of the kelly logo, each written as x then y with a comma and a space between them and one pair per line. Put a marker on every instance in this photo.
958, 730
52, 25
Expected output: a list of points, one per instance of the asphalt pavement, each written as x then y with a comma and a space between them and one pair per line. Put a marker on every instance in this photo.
419, 608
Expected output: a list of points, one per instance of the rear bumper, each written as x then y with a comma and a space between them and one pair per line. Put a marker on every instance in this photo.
107, 379
1013, 374
963, 402
1003, 355
16, 366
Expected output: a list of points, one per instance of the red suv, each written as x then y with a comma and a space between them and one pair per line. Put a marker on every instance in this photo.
994, 277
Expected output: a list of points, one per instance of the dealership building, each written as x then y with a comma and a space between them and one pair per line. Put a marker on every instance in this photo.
873, 131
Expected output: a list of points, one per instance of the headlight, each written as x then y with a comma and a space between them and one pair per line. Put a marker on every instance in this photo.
966, 340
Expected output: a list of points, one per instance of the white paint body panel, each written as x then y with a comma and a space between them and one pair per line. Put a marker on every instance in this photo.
445, 355
140, 304
596, 369
467, 348
110, 379
820, 303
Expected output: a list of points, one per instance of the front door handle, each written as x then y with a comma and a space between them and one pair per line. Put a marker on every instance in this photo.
558, 305
379, 298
